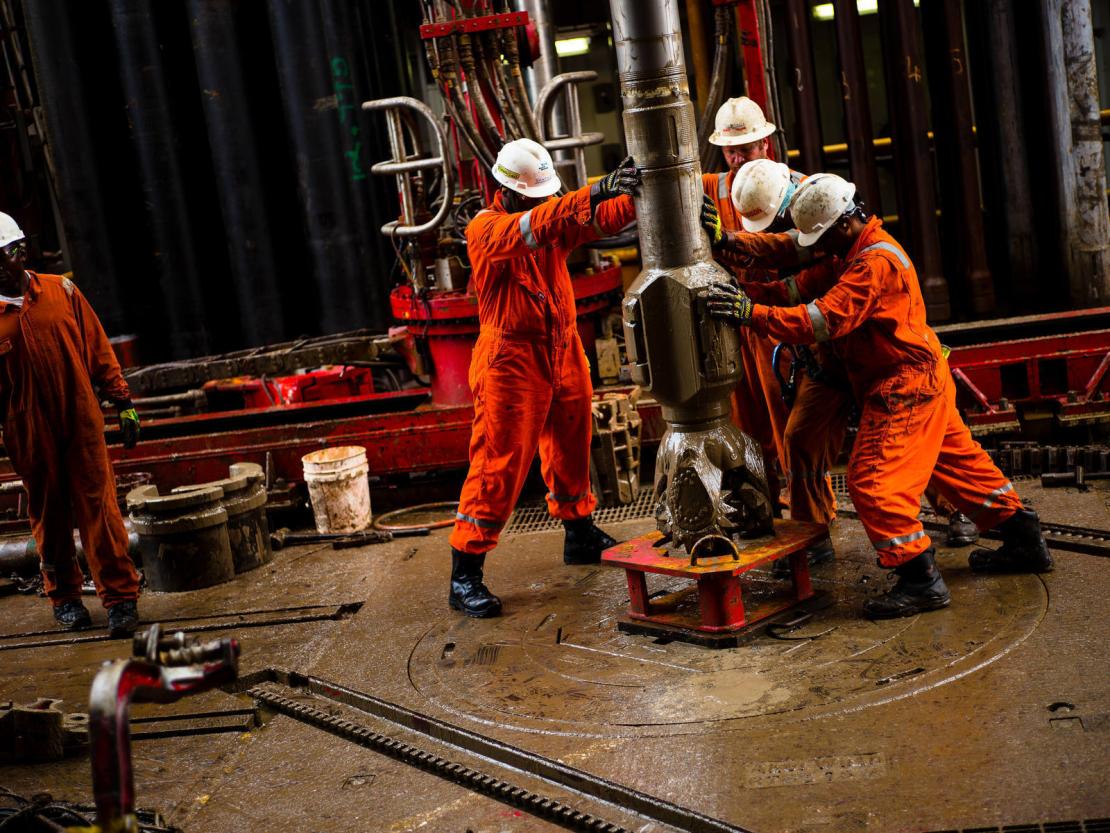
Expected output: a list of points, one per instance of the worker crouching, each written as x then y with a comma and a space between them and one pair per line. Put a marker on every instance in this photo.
56, 358
529, 373
869, 308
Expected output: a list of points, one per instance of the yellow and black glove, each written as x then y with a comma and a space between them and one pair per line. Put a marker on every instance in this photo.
729, 302
128, 423
711, 220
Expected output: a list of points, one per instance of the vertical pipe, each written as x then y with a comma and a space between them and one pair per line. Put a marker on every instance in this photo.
687, 360
1073, 106
152, 129
76, 187
748, 34
857, 107
916, 184
803, 84
335, 238
954, 140
238, 176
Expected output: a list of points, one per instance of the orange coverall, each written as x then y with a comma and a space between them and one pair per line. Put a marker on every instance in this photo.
54, 434
529, 375
757, 406
910, 430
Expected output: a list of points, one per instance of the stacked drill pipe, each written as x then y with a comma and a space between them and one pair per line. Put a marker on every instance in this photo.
803, 83
954, 139
916, 191
857, 108
709, 476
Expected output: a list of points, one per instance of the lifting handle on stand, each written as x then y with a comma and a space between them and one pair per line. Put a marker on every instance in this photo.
402, 165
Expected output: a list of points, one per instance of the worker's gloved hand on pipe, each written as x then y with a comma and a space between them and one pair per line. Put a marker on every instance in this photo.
128, 423
624, 181
711, 220
729, 302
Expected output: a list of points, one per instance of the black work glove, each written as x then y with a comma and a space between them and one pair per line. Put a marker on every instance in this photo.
711, 220
625, 180
128, 423
723, 300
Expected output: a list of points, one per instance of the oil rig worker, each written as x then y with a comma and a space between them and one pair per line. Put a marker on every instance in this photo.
818, 418
743, 134
57, 365
529, 373
869, 308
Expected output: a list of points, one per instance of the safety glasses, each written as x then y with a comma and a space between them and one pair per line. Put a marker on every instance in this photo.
15, 250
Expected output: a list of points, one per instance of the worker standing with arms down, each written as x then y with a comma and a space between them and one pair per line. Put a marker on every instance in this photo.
743, 134
910, 430
56, 358
529, 374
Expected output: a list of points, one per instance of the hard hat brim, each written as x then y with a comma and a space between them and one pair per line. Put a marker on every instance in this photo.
545, 189
716, 138
757, 225
809, 238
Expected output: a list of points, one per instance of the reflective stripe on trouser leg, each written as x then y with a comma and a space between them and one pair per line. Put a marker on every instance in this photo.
892, 460
511, 401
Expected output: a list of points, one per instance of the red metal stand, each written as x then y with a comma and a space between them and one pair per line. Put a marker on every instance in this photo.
720, 610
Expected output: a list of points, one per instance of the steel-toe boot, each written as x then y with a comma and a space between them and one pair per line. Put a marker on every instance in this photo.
584, 542
1023, 547
72, 615
961, 530
468, 594
920, 587
819, 553
123, 618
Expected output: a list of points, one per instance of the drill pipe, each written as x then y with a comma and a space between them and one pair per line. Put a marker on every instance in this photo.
709, 476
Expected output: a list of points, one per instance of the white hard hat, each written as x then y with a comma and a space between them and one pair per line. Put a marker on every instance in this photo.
740, 121
761, 191
818, 203
526, 167
10, 231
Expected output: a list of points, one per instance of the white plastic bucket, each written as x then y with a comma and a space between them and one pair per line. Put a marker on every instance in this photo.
338, 482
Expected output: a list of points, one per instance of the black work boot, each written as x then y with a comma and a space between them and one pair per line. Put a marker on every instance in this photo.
961, 530
468, 594
72, 615
123, 618
819, 553
920, 587
1023, 547
584, 542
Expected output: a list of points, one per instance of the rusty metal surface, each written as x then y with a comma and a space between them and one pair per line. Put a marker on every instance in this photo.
830, 724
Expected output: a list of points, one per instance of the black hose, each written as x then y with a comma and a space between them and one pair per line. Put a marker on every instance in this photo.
722, 70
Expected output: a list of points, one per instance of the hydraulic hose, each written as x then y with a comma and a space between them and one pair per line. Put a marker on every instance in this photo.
465, 50
722, 21
517, 93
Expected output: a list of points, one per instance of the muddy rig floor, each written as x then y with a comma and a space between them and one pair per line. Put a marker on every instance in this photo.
367, 705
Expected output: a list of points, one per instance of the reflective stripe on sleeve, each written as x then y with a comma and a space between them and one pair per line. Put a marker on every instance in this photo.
526, 230
894, 250
820, 325
899, 540
722, 185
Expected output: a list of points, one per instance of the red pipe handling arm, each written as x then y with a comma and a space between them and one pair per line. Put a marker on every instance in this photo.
161, 671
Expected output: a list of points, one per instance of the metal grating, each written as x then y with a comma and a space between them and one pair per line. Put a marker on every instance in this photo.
1088, 826
534, 517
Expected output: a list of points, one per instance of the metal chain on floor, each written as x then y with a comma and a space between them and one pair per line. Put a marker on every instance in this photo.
531, 802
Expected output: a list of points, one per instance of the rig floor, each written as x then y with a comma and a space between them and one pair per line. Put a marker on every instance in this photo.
994, 711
